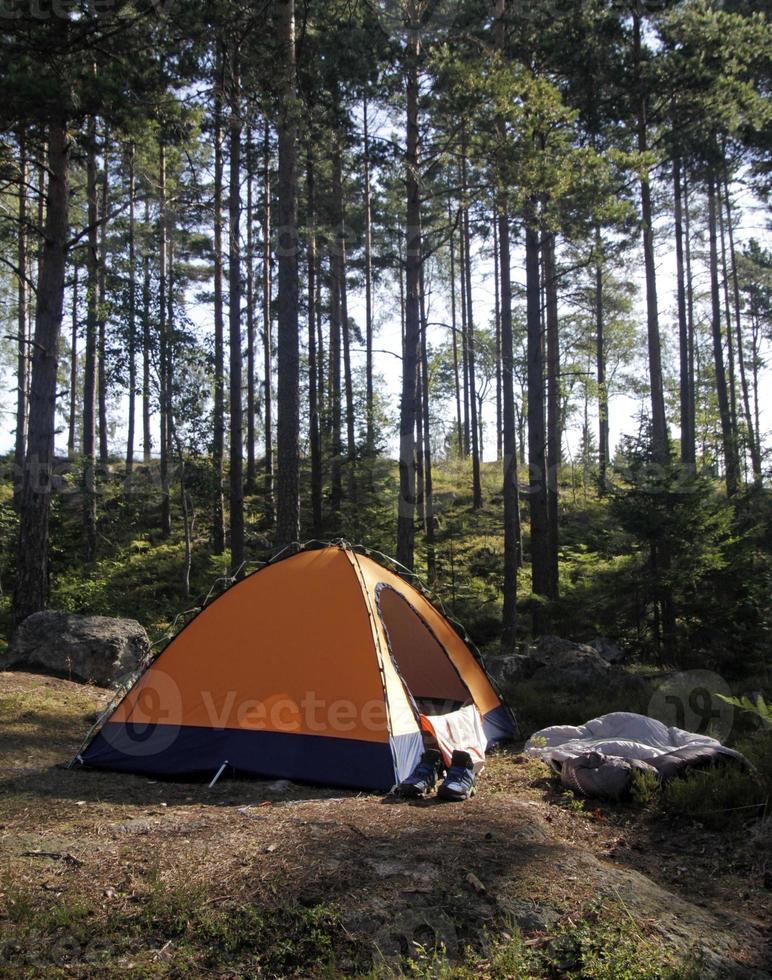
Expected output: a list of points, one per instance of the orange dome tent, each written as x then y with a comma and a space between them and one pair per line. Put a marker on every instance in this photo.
317, 668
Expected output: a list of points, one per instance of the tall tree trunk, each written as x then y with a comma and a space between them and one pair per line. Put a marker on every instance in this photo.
553, 409
340, 260
497, 316
31, 590
600, 361
132, 345
369, 404
147, 438
431, 563
287, 516
454, 331
466, 442
163, 346
313, 368
509, 445
729, 447
218, 435
688, 457
250, 282
407, 475
90, 363
73, 365
334, 385
537, 443
267, 328
658, 419
102, 308
477, 500
234, 318
729, 329
753, 444
689, 314
22, 312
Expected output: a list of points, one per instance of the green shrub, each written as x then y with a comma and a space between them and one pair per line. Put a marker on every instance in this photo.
720, 798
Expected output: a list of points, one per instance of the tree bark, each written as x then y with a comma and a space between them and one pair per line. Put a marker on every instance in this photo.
334, 385
340, 259
600, 361
313, 368
454, 332
147, 439
369, 403
73, 365
477, 500
407, 475
218, 435
267, 329
431, 562
90, 365
132, 325
729, 328
689, 314
729, 447
236, 476
287, 516
658, 418
509, 443
553, 410
102, 307
250, 282
31, 590
537, 458
753, 443
688, 457
22, 312
497, 327
163, 346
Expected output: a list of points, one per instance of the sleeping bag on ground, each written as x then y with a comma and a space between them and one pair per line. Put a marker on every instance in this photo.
598, 759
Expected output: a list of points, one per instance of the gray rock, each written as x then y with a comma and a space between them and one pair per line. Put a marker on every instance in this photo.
554, 660
609, 650
92, 649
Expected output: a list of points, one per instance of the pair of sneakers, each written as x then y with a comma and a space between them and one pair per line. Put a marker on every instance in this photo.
458, 784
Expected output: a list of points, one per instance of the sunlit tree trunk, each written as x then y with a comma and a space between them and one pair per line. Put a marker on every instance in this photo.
22, 313
407, 476
90, 358
729, 447
31, 590
132, 325
267, 329
236, 483
313, 369
218, 435
288, 395
553, 410
658, 418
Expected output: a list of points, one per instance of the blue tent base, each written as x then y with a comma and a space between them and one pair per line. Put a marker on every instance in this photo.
169, 750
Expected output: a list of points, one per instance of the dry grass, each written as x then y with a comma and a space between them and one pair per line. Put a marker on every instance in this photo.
103, 872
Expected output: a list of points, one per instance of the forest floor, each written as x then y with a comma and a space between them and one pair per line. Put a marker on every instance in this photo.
106, 874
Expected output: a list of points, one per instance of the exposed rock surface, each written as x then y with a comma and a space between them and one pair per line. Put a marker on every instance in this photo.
92, 649
555, 661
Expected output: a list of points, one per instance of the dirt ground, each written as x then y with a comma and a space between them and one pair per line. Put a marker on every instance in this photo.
404, 875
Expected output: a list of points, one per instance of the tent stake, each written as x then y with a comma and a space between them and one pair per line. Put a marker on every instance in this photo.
218, 774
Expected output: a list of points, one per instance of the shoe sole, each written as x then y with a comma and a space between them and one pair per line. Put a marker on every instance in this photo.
455, 797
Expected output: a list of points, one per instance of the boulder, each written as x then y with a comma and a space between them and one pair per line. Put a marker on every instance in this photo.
555, 661
93, 649
609, 650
